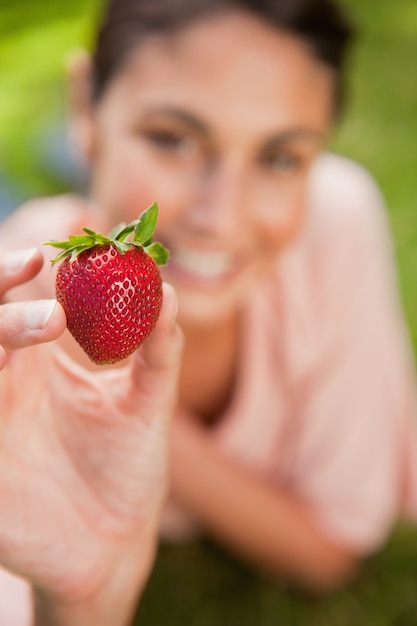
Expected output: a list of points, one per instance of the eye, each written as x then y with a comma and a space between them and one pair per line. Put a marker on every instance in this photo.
282, 161
171, 141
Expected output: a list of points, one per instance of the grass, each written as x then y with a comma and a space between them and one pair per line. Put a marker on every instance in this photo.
380, 129
199, 585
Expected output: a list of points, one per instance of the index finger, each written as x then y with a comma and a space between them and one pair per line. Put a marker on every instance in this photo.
25, 324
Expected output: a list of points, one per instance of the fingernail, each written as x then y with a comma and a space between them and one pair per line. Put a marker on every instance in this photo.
14, 261
39, 313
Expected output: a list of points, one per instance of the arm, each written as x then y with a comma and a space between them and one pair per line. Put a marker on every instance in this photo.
265, 525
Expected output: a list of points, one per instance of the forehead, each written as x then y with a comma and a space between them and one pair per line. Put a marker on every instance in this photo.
231, 65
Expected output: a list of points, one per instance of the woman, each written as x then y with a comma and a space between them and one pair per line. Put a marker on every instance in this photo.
292, 441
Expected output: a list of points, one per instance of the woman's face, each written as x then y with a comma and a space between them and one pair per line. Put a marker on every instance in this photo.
219, 124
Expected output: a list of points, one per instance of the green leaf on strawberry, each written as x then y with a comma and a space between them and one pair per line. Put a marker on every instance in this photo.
141, 228
146, 225
158, 252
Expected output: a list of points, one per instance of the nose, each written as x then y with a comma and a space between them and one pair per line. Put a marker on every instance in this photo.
219, 203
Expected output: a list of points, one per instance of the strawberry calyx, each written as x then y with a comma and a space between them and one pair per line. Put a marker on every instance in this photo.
123, 237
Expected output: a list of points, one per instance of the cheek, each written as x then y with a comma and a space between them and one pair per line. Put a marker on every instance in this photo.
128, 180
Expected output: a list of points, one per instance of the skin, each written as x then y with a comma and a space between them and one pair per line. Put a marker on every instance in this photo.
227, 157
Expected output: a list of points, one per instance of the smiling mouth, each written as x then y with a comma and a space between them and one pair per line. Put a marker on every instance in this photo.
206, 265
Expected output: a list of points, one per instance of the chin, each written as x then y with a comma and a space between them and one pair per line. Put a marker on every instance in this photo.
211, 302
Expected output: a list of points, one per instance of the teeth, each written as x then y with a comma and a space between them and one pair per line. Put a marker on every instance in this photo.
206, 264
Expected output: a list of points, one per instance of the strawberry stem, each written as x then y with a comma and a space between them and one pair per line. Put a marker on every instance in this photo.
141, 228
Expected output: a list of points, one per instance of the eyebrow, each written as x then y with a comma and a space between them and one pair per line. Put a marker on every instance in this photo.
183, 116
296, 134
199, 126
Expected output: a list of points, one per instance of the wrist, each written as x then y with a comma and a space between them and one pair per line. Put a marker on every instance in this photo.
113, 603
100, 609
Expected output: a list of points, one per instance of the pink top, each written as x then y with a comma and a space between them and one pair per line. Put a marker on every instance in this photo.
324, 403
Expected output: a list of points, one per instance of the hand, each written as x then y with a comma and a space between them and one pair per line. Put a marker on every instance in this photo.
83, 463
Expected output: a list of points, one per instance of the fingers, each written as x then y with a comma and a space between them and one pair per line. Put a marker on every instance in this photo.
18, 266
25, 324
156, 364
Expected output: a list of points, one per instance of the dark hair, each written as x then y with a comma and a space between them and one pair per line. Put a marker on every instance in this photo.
125, 23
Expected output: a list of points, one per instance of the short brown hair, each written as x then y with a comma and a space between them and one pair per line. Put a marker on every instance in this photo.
125, 23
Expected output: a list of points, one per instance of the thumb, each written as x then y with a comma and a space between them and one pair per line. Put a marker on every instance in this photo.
155, 366
25, 324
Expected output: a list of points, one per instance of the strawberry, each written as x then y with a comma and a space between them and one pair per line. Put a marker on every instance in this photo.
111, 287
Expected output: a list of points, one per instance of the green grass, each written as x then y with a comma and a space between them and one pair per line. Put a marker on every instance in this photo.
198, 585
380, 128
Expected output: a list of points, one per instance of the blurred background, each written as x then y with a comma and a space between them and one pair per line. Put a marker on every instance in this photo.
198, 585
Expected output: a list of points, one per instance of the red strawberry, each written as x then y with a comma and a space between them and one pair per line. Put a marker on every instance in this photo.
111, 287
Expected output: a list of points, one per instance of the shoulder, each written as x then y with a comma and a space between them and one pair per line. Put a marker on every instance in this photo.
345, 200
340, 272
346, 232
339, 179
